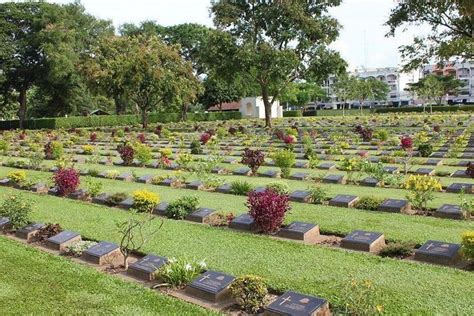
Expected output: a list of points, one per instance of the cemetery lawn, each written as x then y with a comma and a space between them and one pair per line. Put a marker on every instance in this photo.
407, 287
34, 282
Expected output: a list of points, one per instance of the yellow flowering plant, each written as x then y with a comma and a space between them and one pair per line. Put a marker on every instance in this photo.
17, 177
145, 201
421, 190
88, 149
467, 244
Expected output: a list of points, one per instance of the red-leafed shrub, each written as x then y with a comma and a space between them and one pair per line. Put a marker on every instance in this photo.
268, 209
437, 128
141, 138
158, 130
289, 139
406, 143
279, 134
232, 130
22, 135
253, 159
126, 152
127, 129
93, 137
66, 180
205, 137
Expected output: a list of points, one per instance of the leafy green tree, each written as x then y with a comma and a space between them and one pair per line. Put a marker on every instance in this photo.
365, 89
343, 89
301, 93
157, 75
273, 43
432, 88
452, 30
218, 91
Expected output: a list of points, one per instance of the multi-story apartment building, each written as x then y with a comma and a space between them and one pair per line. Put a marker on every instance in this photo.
463, 71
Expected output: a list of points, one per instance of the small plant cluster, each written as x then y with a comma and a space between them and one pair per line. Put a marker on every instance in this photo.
46, 232
205, 138
365, 132
17, 209
66, 181
370, 203
53, 150
179, 272
182, 207
253, 159
361, 297
77, 249
284, 159
17, 177
127, 153
240, 187
398, 250
116, 198
421, 190
88, 149
142, 153
318, 194
250, 292
220, 219
406, 143
195, 147
145, 201
425, 149
268, 209
93, 187
467, 244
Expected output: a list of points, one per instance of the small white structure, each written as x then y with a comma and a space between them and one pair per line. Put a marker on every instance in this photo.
253, 107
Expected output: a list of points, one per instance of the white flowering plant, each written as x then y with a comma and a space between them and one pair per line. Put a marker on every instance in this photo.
76, 249
179, 272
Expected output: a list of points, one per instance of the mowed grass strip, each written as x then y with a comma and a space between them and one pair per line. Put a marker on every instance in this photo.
408, 287
36, 283
331, 219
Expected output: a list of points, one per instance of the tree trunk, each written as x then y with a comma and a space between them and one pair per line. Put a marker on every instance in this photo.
343, 108
268, 107
144, 118
119, 104
184, 111
22, 109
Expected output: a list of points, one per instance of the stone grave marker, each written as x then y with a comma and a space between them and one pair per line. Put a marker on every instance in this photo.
463, 163
146, 267
243, 222
344, 200
101, 198
460, 174
450, 211
230, 160
334, 178
29, 231
218, 170
102, 174
126, 204
270, 174
201, 215
327, 166
39, 188
161, 208
395, 206
102, 253
437, 155
434, 162
242, 171
62, 240
4, 182
369, 182
126, 176
225, 188
195, 185
306, 232
391, 169
301, 164
259, 189
425, 171
299, 176
270, 163
458, 187
168, 182
211, 286
78, 194
172, 166
439, 252
364, 241
5, 223
295, 304
53, 191
374, 159
145, 179
300, 196
467, 155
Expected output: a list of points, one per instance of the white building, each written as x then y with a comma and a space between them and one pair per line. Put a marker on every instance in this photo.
463, 71
253, 107
396, 80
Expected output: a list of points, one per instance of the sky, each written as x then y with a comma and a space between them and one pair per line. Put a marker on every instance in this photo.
362, 40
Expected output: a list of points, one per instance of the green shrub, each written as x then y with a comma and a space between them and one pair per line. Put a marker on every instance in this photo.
467, 244
279, 187
182, 207
296, 113
318, 194
57, 150
240, 187
284, 159
93, 187
425, 149
17, 209
370, 203
179, 272
195, 147
116, 198
249, 291
397, 250
142, 153
17, 177
145, 201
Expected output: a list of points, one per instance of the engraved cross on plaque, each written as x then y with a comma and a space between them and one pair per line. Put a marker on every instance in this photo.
287, 299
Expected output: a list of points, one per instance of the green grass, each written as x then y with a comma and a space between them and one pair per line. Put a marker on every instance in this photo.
36, 283
408, 287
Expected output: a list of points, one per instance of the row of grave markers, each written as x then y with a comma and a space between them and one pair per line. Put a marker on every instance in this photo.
210, 286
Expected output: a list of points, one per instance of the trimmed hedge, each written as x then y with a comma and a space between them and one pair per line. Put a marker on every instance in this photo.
115, 120
296, 113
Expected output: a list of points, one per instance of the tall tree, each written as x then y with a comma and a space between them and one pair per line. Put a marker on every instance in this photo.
343, 88
273, 43
452, 30
218, 91
301, 93
365, 89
